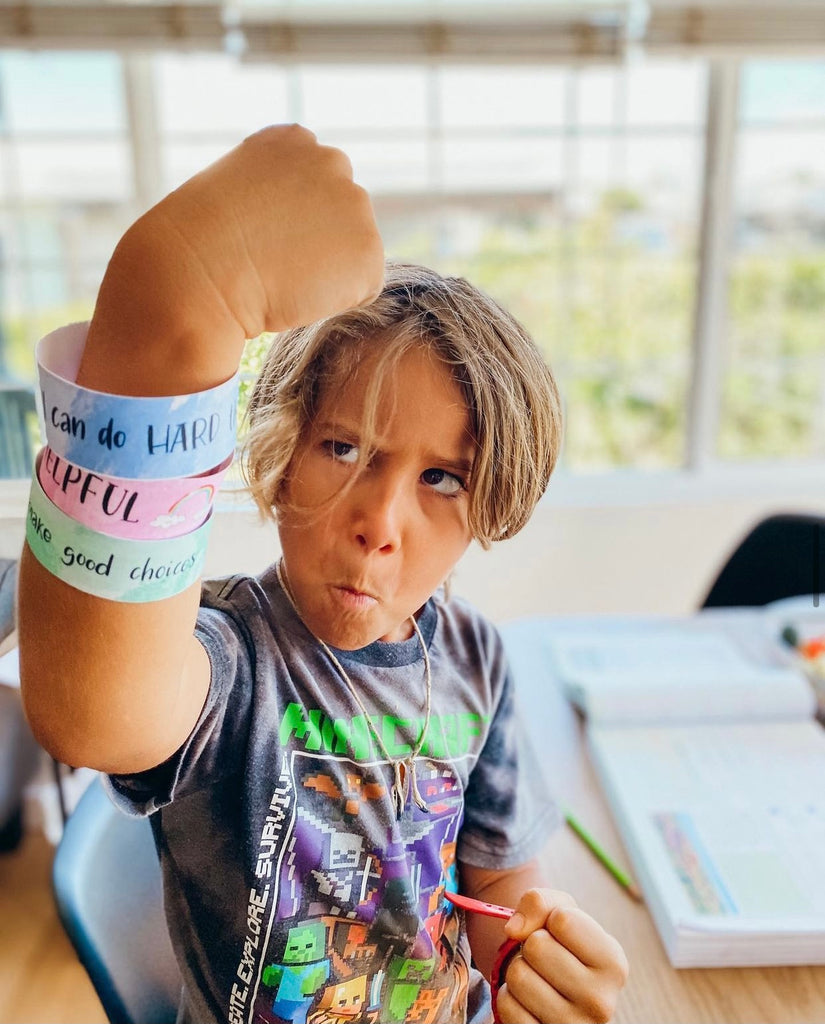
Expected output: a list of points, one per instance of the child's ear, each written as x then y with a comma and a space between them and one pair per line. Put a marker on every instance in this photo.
281, 493
278, 499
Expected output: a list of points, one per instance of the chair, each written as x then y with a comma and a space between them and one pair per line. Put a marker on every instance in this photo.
107, 885
782, 556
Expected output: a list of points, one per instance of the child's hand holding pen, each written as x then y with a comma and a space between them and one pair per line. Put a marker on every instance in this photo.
557, 964
568, 968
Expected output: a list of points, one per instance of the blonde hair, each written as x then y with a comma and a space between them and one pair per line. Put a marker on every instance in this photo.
513, 402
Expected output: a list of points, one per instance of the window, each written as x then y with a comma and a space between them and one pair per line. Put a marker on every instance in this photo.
774, 385
572, 194
573, 197
65, 190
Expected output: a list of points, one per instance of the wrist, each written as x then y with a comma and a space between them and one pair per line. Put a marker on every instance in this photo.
164, 313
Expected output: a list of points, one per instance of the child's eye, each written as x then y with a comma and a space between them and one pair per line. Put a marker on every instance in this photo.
443, 482
341, 451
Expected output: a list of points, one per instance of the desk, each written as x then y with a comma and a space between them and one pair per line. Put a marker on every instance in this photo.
655, 990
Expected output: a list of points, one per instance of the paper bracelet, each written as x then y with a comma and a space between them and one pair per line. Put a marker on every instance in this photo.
136, 509
134, 438
110, 567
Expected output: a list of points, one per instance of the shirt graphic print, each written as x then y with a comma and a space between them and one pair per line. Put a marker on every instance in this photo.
348, 921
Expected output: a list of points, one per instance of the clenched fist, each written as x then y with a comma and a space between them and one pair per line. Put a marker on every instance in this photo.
274, 234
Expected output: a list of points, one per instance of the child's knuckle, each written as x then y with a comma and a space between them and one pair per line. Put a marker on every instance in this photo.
619, 965
599, 1007
534, 945
559, 920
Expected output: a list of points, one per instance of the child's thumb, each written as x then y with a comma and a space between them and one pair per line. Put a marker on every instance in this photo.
533, 909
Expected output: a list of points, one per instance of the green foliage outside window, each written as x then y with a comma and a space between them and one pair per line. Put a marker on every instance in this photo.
774, 395
615, 322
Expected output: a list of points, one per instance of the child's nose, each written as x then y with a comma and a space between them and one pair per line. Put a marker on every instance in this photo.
379, 516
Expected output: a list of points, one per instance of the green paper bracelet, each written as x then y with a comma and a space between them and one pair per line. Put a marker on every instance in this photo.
110, 567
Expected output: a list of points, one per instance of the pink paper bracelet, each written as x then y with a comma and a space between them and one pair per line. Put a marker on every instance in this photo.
133, 509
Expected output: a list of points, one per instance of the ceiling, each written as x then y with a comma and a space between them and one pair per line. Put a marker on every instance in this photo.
414, 30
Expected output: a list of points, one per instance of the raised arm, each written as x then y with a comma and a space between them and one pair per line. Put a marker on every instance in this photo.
273, 235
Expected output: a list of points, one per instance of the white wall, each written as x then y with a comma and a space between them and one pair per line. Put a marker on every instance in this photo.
586, 557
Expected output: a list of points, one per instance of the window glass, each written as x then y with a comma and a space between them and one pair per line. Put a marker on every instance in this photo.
370, 97
503, 165
774, 385
92, 171
782, 92
215, 94
503, 98
570, 194
400, 165
666, 93
599, 95
62, 92
65, 194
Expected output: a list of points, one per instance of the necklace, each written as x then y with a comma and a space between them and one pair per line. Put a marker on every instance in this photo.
403, 767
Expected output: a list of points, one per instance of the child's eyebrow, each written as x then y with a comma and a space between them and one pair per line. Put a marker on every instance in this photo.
345, 431
462, 466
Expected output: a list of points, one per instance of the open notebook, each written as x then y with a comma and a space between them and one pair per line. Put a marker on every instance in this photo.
635, 670
714, 769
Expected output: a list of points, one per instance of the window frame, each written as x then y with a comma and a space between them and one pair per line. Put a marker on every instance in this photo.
703, 474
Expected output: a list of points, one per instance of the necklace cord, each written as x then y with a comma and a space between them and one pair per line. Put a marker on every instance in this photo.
404, 781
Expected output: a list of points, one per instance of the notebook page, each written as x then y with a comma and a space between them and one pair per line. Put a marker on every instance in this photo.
648, 670
729, 819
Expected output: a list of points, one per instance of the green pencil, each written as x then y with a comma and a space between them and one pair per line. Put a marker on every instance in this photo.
621, 877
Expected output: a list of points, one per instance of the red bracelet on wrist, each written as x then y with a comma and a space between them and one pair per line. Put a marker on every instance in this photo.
506, 951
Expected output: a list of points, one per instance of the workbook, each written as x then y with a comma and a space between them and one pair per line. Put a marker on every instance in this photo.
727, 665
704, 741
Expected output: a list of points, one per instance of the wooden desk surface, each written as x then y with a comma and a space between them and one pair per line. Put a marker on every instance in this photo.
655, 991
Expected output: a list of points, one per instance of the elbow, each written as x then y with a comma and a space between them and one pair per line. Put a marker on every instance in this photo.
59, 739
61, 718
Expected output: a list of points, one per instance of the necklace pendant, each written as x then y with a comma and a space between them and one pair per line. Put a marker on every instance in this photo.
416, 795
406, 783
399, 788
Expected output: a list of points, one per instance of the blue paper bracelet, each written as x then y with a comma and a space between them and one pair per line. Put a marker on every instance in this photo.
119, 435
110, 567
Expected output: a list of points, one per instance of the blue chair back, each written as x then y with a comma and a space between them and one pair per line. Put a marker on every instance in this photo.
107, 885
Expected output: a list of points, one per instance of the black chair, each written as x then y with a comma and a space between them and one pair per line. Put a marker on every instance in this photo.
782, 556
107, 885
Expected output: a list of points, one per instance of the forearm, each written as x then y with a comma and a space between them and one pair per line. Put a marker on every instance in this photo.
109, 685
273, 235
504, 888
160, 326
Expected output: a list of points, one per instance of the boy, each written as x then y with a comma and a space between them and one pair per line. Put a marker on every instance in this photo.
331, 745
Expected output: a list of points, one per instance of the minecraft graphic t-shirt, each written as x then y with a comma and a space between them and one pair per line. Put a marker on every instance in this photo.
293, 891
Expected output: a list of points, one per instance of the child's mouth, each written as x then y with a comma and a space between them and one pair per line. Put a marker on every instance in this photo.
353, 598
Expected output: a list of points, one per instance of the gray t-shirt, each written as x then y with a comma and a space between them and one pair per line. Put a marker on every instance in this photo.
293, 893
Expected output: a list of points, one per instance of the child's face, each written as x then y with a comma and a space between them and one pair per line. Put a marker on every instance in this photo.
360, 566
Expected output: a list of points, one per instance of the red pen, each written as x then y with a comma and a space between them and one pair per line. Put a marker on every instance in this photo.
479, 906
508, 949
